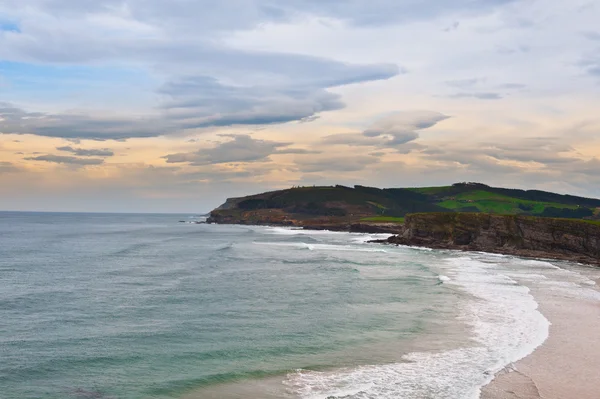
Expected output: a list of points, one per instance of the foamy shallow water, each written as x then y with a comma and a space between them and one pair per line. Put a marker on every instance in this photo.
505, 325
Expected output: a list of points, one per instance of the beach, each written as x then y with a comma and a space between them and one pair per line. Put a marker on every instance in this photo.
566, 365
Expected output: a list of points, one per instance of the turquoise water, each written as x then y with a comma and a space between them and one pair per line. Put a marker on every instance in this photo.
135, 306
141, 306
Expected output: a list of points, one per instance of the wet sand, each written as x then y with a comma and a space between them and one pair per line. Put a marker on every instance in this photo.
567, 365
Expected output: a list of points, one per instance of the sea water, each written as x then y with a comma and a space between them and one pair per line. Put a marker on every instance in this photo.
143, 306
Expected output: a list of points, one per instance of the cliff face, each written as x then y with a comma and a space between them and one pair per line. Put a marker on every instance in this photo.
508, 234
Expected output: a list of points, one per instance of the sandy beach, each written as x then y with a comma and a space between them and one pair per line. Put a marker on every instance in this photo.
566, 366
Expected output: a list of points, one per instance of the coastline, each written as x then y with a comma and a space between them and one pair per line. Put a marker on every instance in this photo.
566, 364
552, 251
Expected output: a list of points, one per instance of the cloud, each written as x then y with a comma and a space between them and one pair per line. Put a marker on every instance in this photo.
464, 83
335, 164
8, 167
242, 148
296, 151
480, 96
67, 160
71, 126
595, 36
205, 83
395, 131
295, 91
515, 86
103, 152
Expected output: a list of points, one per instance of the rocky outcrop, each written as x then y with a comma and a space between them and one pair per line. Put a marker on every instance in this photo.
567, 239
277, 217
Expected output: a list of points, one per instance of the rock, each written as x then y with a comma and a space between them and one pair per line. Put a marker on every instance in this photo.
566, 239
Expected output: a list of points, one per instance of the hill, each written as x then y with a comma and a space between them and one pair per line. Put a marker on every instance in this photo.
358, 206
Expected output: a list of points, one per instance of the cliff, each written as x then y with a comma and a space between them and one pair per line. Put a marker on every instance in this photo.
574, 240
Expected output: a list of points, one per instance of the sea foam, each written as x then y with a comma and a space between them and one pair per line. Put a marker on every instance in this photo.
505, 326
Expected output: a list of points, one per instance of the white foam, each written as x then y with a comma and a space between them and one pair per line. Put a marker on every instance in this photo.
443, 278
364, 239
321, 247
506, 327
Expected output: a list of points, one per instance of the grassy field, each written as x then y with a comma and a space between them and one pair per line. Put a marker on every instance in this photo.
383, 219
489, 202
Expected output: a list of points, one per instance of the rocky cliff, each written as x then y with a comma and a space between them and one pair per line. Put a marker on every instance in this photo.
573, 240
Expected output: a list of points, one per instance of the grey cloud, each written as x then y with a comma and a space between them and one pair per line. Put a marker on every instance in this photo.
242, 148
67, 160
592, 35
352, 139
8, 167
379, 12
464, 83
592, 66
515, 86
480, 96
452, 27
394, 131
335, 164
18, 121
206, 84
203, 16
299, 94
296, 151
82, 152
491, 157
309, 119
203, 102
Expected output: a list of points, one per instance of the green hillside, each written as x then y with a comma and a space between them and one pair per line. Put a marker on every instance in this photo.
476, 197
375, 205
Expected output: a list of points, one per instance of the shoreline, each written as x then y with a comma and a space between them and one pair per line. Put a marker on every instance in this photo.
566, 364
392, 240
525, 254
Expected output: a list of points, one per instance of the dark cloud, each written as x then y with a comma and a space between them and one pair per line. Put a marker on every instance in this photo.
242, 148
67, 160
82, 152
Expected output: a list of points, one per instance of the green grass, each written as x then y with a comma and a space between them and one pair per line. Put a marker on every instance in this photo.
383, 219
487, 202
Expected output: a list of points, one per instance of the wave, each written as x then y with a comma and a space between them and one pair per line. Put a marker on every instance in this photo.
506, 326
321, 247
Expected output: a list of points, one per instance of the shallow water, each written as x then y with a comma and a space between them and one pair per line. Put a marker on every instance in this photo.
141, 306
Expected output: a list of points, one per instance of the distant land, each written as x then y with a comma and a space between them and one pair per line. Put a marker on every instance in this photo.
381, 210
463, 216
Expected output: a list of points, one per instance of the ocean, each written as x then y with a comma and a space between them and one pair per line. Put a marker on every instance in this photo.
144, 306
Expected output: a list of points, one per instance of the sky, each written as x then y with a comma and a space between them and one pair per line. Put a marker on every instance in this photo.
173, 106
